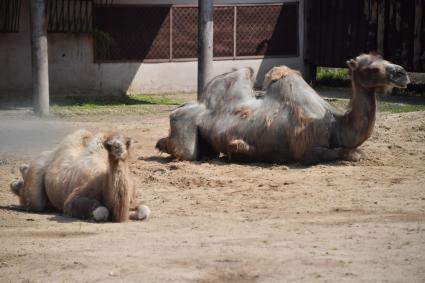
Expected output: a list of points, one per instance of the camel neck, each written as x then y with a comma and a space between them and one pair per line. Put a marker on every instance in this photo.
118, 198
358, 122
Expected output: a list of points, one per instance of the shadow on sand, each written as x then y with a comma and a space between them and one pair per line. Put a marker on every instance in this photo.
224, 161
55, 216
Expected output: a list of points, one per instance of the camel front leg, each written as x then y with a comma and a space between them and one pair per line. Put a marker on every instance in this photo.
82, 204
142, 212
321, 154
353, 155
137, 211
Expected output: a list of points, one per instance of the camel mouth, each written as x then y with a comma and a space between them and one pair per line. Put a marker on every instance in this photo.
401, 83
398, 76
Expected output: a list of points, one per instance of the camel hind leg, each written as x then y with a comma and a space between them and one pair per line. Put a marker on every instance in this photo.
182, 141
32, 194
24, 170
17, 185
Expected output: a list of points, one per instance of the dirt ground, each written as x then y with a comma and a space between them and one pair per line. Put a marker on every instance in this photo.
221, 222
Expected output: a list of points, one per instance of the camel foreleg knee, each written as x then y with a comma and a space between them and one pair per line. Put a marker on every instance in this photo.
100, 214
240, 147
141, 213
79, 206
353, 154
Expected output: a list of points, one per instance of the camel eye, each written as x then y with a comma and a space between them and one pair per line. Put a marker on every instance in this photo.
373, 69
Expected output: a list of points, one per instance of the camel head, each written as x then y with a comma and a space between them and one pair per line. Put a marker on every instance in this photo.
371, 71
119, 146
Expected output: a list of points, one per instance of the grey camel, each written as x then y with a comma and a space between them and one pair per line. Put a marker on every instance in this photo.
289, 123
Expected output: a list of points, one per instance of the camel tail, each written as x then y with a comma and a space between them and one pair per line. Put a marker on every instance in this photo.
162, 145
16, 187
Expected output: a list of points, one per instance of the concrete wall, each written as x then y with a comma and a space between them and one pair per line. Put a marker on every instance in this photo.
73, 71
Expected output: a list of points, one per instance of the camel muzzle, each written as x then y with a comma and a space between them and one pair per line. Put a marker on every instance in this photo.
397, 75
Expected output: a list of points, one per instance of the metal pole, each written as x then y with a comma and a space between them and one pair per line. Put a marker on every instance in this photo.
40, 63
205, 43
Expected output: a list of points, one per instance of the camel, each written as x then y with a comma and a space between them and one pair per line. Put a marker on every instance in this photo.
86, 176
289, 123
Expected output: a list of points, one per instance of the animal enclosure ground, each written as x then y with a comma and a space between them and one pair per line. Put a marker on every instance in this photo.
221, 222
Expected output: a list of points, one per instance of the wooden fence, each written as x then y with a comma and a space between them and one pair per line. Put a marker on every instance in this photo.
337, 30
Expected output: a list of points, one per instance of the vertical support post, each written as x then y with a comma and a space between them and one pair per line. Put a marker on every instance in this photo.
39, 56
381, 28
205, 43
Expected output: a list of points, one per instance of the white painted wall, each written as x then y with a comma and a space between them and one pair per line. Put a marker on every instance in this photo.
73, 71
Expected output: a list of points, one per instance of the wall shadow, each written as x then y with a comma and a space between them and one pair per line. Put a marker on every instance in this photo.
283, 42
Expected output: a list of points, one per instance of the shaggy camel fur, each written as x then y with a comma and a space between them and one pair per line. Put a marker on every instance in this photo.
85, 176
291, 122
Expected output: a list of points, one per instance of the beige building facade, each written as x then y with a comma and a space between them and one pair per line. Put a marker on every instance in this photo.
75, 70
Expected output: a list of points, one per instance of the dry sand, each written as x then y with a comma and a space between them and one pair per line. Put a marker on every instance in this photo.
221, 222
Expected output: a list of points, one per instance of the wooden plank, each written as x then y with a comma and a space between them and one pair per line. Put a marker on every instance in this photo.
417, 35
341, 27
381, 28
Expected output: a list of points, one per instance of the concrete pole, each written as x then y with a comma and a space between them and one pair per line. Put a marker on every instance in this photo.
205, 43
39, 56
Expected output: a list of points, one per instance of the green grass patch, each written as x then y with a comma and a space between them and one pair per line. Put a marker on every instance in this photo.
89, 103
332, 76
383, 106
400, 107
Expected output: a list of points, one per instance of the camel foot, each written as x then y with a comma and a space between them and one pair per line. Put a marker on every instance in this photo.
142, 213
16, 187
101, 214
24, 170
355, 155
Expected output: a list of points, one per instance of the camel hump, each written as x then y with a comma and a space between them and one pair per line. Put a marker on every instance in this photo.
77, 138
229, 89
277, 73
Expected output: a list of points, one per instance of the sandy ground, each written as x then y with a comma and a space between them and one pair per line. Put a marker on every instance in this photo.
221, 222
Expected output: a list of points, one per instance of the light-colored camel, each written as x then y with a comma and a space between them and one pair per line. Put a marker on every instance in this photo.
291, 122
85, 176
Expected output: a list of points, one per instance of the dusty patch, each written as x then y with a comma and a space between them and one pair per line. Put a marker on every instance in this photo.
221, 222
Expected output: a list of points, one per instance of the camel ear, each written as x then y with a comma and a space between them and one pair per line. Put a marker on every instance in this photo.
129, 142
352, 64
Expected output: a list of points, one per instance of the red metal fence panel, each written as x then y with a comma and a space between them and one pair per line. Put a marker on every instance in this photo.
267, 30
132, 33
138, 33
